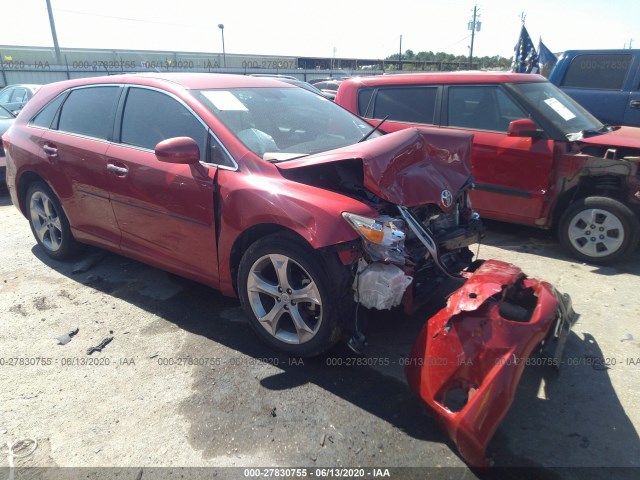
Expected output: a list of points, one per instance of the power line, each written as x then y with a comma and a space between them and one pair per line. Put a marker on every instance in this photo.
130, 19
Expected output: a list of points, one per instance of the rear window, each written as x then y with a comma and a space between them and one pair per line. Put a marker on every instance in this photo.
406, 104
89, 111
45, 117
601, 71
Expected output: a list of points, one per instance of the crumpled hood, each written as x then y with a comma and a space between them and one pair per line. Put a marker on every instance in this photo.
624, 137
409, 168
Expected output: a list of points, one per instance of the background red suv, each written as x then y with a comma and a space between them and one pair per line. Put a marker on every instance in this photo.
538, 157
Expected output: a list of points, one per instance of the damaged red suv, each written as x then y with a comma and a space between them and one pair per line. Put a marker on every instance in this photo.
276, 195
538, 157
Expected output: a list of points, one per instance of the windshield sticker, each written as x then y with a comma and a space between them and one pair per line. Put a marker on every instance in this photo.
224, 101
560, 109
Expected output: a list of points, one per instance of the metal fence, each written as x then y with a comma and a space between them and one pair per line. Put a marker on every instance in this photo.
40, 65
56, 74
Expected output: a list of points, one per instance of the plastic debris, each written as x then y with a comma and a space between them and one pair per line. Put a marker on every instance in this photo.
66, 338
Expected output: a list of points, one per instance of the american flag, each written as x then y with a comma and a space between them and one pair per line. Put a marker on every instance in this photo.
525, 59
546, 59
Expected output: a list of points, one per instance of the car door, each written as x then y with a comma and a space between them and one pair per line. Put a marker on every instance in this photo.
512, 174
11, 98
74, 145
632, 112
165, 211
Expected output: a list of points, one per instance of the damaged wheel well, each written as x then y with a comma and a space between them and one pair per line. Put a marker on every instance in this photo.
611, 186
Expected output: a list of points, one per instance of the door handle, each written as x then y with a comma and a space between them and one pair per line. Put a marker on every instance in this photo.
634, 104
50, 151
119, 171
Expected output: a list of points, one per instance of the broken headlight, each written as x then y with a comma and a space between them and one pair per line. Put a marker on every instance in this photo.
383, 237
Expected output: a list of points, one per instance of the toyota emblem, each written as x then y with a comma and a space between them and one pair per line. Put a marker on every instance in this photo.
446, 199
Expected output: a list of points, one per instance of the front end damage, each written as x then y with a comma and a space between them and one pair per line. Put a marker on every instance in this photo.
468, 358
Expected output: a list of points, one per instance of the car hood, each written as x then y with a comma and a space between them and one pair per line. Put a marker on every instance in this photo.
624, 137
409, 168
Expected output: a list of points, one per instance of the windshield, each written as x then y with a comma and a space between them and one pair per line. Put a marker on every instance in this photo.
553, 104
284, 123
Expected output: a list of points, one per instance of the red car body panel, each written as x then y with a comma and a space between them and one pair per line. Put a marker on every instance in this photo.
164, 211
628, 137
252, 200
470, 347
405, 168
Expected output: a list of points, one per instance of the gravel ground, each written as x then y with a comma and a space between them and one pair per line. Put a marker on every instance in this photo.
185, 382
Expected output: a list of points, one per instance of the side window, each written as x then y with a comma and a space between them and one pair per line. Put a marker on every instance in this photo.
151, 116
217, 154
89, 111
364, 98
45, 117
602, 71
406, 104
20, 95
481, 108
6, 95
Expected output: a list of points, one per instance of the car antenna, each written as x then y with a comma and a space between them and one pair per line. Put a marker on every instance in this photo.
373, 130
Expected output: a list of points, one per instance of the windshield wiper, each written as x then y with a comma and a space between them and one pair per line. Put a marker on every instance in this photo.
373, 130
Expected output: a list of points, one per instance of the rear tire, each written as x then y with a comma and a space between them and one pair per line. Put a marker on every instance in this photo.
49, 223
599, 230
287, 294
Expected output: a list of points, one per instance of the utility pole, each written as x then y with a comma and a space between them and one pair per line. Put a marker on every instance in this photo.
53, 33
400, 55
224, 54
474, 25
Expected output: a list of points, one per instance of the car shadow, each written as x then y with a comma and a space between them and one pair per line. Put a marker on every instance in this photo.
559, 427
5, 199
545, 243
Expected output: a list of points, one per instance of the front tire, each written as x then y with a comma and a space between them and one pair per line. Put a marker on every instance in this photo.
599, 230
286, 293
49, 223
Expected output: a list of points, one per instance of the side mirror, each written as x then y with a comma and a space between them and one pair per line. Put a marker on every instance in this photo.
182, 150
524, 127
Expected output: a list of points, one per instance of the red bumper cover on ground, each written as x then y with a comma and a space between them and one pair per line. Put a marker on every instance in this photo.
468, 358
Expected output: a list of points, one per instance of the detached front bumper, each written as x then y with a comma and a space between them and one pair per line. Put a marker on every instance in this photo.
468, 358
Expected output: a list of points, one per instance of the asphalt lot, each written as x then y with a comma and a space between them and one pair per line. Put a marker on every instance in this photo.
185, 382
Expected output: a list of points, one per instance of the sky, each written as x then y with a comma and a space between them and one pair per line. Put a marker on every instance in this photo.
346, 29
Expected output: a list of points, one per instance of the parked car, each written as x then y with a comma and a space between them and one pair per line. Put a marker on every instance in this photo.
268, 192
605, 82
307, 86
538, 158
14, 97
298, 83
6, 120
327, 86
